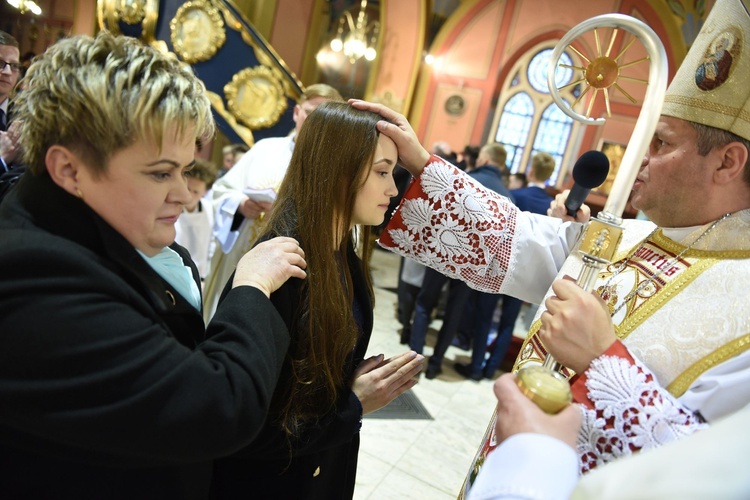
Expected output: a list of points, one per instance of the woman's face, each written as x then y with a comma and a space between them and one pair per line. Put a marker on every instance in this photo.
375, 195
142, 192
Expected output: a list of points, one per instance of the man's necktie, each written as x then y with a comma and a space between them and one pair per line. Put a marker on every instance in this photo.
3, 122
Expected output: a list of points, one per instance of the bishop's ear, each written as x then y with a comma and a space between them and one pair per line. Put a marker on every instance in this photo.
734, 158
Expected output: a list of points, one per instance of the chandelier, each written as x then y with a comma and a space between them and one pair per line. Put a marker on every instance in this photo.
362, 37
25, 6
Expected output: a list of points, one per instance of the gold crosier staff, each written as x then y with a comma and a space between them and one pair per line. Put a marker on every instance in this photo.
544, 384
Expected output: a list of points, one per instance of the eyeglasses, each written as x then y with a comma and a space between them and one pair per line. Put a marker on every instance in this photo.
14, 67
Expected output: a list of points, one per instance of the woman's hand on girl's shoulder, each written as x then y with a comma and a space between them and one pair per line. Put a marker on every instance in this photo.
270, 264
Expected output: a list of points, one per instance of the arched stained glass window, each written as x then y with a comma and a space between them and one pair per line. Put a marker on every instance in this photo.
514, 127
552, 136
537, 73
527, 120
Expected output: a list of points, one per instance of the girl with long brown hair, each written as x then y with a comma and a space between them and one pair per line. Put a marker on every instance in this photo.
339, 179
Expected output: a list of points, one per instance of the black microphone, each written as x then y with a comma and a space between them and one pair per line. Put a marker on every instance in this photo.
590, 171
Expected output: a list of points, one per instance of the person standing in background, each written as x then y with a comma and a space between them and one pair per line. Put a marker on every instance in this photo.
489, 173
230, 155
517, 181
194, 228
534, 196
10, 70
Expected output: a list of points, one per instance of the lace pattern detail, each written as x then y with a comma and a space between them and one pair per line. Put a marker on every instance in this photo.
631, 412
457, 227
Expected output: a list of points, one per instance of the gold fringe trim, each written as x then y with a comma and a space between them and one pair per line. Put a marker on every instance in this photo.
672, 288
683, 381
708, 106
706, 259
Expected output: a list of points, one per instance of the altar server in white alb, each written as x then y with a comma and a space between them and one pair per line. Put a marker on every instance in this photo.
671, 353
236, 215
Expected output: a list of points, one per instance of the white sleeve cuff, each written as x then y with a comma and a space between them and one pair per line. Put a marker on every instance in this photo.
226, 208
527, 467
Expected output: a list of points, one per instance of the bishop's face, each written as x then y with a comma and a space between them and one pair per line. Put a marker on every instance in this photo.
673, 177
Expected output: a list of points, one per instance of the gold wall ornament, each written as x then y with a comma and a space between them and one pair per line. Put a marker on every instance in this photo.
265, 54
197, 31
218, 104
131, 11
455, 105
255, 96
107, 14
148, 26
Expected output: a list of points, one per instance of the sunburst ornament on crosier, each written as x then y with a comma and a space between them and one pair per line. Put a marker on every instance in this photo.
603, 72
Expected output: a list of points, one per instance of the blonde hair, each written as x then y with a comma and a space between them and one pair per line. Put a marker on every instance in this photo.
98, 95
320, 90
496, 153
542, 166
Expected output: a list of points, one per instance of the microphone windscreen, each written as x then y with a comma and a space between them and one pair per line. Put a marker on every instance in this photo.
591, 169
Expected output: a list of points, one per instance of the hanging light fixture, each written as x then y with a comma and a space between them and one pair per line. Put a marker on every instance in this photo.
362, 37
25, 6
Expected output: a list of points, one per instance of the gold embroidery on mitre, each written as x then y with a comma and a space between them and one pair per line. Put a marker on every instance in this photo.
729, 350
710, 86
702, 105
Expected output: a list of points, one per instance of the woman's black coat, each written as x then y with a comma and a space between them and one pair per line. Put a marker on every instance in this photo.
108, 389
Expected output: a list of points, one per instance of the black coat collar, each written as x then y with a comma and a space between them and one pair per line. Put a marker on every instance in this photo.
52, 209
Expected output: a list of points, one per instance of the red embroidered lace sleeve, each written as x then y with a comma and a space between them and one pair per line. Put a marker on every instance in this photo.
625, 409
450, 223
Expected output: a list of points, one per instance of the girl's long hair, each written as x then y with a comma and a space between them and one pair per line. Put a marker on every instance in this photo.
331, 161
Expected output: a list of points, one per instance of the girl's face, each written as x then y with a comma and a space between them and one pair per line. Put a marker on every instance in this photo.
375, 195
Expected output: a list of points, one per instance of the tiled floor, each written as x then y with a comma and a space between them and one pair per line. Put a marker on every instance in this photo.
420, 459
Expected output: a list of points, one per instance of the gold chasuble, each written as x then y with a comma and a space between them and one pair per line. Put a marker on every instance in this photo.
670, 353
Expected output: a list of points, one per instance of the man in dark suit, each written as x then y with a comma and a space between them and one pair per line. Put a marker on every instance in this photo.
534, 197
10, 69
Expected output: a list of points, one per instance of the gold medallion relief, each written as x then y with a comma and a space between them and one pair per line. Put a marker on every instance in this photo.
131, 11
197, 31
256, 97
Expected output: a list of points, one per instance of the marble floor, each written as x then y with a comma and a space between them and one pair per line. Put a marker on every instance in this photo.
420, 459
